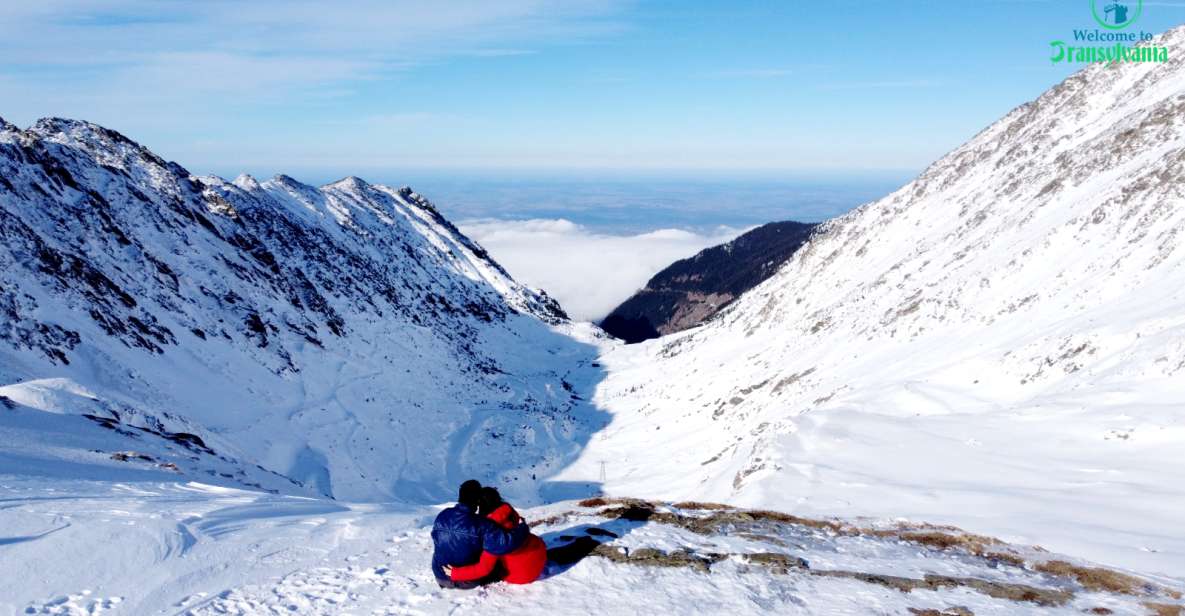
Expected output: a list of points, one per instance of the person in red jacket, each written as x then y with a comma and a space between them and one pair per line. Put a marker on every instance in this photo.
521, 566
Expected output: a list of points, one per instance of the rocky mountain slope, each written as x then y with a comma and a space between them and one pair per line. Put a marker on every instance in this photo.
691, 290
999, 344
344, 341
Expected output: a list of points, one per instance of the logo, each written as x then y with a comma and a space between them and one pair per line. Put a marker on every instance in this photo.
1116, 15
1117, 47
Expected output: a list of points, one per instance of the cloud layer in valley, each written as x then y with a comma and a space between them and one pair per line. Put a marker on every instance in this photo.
589, 272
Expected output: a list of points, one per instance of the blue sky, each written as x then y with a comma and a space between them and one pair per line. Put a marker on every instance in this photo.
619, 135
384, 89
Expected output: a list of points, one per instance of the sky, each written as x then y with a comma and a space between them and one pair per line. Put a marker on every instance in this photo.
585, 143
386, 88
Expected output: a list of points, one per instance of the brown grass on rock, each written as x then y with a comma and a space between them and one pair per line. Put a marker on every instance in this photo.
956, 610
604, 501
698, 506
714, 522
1003, 557
948, 538
998, 590
719, 518
1097, 578
549, 520
777, 563
657, 558
945, 541
760, 538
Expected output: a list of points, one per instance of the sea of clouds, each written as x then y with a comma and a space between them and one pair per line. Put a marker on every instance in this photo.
589, 271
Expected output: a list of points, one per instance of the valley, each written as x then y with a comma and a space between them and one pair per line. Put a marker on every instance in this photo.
244, 396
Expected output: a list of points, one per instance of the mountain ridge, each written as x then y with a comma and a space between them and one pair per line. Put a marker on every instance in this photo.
298, 323
1004, 325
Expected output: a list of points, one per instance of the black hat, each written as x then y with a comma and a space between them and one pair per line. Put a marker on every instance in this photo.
469, 494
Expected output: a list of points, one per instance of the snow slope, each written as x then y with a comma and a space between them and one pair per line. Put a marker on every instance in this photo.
178, 548
346, 339
999, 344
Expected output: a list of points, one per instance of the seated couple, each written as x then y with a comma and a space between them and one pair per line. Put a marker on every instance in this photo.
482, 540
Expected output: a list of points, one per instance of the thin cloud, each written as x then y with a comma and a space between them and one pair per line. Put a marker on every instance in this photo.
146, 59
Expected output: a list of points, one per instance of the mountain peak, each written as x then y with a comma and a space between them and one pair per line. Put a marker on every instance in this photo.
110, 146
61, 129
292, 184
350, 182
247, 182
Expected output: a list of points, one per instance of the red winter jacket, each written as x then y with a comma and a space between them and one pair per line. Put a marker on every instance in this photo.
522, 566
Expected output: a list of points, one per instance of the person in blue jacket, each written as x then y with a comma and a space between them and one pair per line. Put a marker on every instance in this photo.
459, 536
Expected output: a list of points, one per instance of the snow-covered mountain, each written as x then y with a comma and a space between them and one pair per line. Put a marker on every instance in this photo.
345, 341
1000, 344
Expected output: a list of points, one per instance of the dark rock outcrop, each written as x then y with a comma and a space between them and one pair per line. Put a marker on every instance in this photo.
690, 291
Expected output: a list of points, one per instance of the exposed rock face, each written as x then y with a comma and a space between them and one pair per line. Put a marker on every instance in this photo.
690, 291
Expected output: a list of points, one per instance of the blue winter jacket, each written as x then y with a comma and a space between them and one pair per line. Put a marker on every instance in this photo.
460, 536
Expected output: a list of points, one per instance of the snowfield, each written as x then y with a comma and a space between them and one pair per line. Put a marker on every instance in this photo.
251, 397
176, 548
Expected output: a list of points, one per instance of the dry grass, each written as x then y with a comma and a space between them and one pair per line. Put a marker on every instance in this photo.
945, 541
698, 506
1003, 557
720, 518
998, 590
714, 522
549, 520
604, 501
1164, 609
651, 557
785, 518
764, 539
778, 563
957, 610
951, 538
1096, 578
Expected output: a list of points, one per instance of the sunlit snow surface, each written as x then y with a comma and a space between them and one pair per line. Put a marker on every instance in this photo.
1000, 344
148, 548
